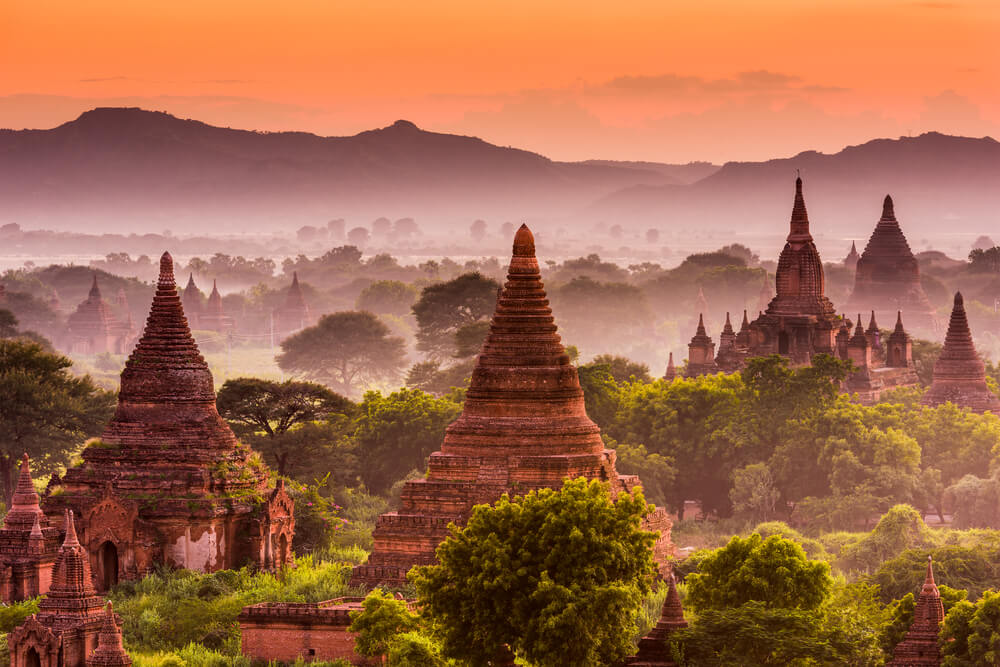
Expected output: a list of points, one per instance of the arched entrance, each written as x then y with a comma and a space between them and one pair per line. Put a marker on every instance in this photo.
783, 342
32, 659
107, 560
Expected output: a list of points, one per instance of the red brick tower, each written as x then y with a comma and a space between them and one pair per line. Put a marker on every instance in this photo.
671, 369
109, 652
701, 352
799, 321
959, 373
28, 545
729, 358
919, 647
653, 648
64, 631
899, 348
888, 275
168, 481
524, 426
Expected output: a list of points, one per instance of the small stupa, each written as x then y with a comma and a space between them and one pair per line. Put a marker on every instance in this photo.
654, 651
919, 647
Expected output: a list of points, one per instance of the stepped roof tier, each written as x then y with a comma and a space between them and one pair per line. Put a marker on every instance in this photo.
959, 373
919, 647
168, 481
887, 278
653, 648
110, 651
524, 426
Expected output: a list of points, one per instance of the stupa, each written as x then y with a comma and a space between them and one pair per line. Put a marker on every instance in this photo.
887, 278
729, 358
294, 314
91, 328
193, 302
800, 321
959, 373
29, 546
653, 648
701, 352
168, 482
65, 630
851, 261
213, 317
919, 647
110, 651
523, 427
671, 372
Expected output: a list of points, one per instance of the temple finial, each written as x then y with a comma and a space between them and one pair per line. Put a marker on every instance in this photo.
166, 278
887, 210
524, 242
71, 538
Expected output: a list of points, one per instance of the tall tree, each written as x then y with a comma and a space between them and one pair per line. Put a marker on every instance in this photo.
446, 307
558, 576
346, 350
46, 412
270, 415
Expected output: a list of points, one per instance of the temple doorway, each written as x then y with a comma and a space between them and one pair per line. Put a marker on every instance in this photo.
32, 659
107, 559
782, 342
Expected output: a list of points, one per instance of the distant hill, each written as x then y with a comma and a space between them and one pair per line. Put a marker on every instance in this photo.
940, 184
678, 174
129, 169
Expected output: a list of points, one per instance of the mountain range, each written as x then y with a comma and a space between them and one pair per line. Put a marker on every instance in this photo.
128, 169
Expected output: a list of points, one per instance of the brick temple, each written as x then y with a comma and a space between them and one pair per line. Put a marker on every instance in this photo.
801, 322
214, 317
293, 314
168, 482
919, 647
887, 278
93, 327
654, 651
523, 427
959, 373
29, 546
65, 631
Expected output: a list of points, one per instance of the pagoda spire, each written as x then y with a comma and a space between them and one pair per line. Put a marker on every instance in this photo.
654, 651
959, 372
799, 226
24, 508
919, 647
872, 326
727, 329
110, 651
95, 291
671, 369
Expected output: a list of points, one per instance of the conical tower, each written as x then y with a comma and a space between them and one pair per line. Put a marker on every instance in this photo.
214, 317
919, 647
192, 301
851, 261
168, 481
90, 328
654, 651
72, 593
729, 359
887, 278
959, 373
294, 314
671, 369
28, 544
524, 426
899, 348
24, 508
110, 651
701, 352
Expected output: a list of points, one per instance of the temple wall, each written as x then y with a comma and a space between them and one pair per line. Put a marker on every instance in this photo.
199, 547
284, 632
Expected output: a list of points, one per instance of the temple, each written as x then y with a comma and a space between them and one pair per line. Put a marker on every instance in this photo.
654, 651
109, 652
523, 427
887, 278
214, 317
168, 482
293, 315
94, 329
65, 631
851, 261
959, 373
193, 302
29, 546
919, 647
800, 322
671, 371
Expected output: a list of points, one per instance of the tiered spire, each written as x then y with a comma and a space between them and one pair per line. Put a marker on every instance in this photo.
654, 651
95, 291
166, 382
859, 339
110, 651
919, 647
214, 301
72, 591
24, 510
851, 261
799, 225
959, 373
671, 369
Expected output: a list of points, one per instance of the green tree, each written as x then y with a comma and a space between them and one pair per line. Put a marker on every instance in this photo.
754, 494
970, 635
900, 616
346, 350
446, 307
657, 473
388, 296
969, 568
381, 619
8, 324
432, 377
556, 575
396, 433
899, 529
600, 393
622, 368
46, 412
470, 337
774, 571
267, 414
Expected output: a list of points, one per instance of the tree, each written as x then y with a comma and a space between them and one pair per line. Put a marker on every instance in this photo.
970, 568
556, 575
381, 619
269, 415
600, 392
478, 230
657, 473
46, 412
970, 635
358, 236
345, 350
8, 324
469, 339
387, 296
396, 433
446, 307
774, 571
754, 494
431, 377
622, 368
900, 614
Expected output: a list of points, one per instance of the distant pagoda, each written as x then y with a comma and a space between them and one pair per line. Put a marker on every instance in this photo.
887, 278
293, 314
919, 647
654, 651
93, 328
959, 373
29, 546
523, 427
214, 317
168, 482
701, 352
851, 261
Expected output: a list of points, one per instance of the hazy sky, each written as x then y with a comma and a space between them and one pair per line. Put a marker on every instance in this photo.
632, 79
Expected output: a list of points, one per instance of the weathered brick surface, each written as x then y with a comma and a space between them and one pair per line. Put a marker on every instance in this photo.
287, 631
653, 648
28, 544
168, 481
919, 647
524, 426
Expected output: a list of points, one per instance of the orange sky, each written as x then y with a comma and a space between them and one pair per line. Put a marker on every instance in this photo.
663, 80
